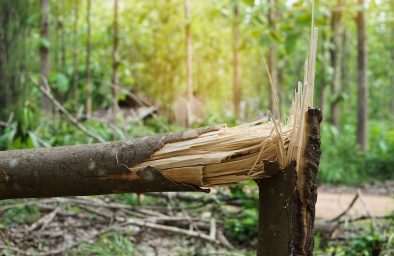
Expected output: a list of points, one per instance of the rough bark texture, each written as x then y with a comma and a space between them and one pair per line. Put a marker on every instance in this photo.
88, 169
287, 200
309, 172
276, 207
362, 102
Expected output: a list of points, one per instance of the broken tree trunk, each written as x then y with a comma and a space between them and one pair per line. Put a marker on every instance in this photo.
88, 169
283, 158
287, 200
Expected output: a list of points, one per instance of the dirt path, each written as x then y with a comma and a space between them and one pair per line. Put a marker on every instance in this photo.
331, 203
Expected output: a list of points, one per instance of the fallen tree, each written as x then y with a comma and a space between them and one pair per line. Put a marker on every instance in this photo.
183, 161
282, 157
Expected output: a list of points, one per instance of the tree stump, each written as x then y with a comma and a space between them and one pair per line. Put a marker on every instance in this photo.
287, 200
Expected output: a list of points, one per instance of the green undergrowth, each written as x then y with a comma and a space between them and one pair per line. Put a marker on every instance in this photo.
17, 215
241, 227
110, 244
31, 130
342, 162
359, 239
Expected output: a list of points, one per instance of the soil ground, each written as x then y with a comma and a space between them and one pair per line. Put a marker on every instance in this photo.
378, 200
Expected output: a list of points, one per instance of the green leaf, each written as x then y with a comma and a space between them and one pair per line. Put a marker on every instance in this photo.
248, 2
44, 43
34, 139
276, 36
62, 82
291, 42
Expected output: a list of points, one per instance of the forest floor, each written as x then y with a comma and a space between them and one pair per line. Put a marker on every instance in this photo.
103, 225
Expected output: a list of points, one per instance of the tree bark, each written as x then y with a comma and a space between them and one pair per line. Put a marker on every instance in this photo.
236, 68
93, 169
287, 200
44, 53
189, 62
115, 61
362, 63
89, 96
336, 63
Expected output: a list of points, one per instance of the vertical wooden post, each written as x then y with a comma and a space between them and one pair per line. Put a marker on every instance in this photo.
287, 200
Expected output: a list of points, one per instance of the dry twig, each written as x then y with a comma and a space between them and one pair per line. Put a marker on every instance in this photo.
346, 210
45, 90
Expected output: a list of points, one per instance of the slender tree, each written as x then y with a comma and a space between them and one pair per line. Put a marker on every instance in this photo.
272, 58
44, 53
345, 62
63, 38
391, 92
336, 62
236, 68
89, 95
189, 61
13, 34
392, 77
323, 73
362, 79
115, 61
75, 52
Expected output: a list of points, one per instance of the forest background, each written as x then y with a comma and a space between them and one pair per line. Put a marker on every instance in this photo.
195, 63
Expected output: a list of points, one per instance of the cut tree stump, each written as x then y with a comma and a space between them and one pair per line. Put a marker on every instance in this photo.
287, 200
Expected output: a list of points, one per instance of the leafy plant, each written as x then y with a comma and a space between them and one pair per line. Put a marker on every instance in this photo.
116, 244
242, 229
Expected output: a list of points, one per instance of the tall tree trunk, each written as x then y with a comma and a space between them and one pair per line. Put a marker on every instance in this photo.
362, 64
89, 95
323, 79
189, 60
62, 39
236, 68
13, 34
56, 54
280, 85
44, 53
75, 53
345, 62
336, 63
272, 60
391, 102
115, 62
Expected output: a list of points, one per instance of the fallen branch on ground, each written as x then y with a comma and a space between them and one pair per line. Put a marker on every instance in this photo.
45, 90
346, 210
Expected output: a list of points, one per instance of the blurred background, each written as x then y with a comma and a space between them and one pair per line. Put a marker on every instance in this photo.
131, 68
